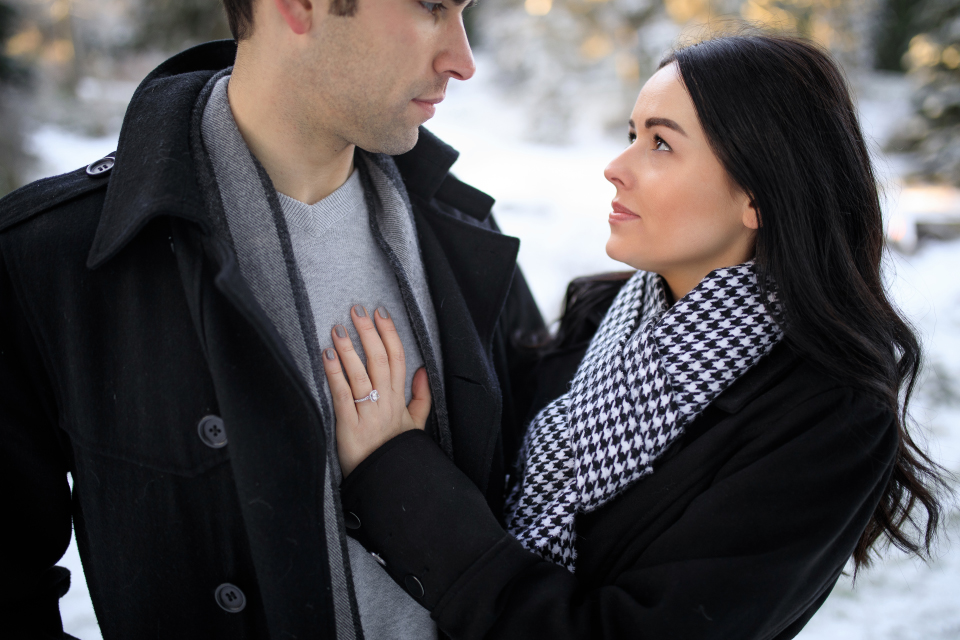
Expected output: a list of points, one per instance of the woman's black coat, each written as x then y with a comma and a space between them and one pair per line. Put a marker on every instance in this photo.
741, 531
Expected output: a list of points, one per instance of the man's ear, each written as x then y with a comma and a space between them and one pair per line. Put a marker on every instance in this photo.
751, 217
298, 14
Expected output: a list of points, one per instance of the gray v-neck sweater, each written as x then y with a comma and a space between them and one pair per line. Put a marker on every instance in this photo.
340, 264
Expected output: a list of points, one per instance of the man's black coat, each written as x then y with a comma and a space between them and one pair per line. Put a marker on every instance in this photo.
124, 321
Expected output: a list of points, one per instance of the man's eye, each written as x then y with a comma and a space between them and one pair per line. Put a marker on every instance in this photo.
659, 144
432, 7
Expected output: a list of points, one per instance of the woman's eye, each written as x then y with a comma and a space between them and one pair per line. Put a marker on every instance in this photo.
659, 144
632, 137
432, 7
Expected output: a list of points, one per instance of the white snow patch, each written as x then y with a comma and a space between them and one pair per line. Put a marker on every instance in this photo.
61, 151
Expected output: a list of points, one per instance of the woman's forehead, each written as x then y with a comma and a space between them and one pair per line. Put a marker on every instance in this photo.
664, 96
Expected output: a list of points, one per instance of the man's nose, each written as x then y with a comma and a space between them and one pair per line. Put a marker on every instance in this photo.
455, 58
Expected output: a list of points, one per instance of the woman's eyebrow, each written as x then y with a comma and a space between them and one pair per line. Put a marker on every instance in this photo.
662, 122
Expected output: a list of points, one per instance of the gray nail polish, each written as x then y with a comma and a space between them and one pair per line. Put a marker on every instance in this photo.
340, 331
359, 310
330, 354
384, 313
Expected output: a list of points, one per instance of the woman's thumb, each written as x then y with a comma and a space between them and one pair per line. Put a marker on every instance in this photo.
419, 406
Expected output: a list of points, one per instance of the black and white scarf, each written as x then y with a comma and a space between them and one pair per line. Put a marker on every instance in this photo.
649, 371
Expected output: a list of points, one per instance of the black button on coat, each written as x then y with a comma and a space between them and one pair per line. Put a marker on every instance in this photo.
124, 321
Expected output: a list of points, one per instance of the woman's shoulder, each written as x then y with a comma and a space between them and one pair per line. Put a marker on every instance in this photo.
787, 391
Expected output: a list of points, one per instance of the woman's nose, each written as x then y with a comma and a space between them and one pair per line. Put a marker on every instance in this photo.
617, 172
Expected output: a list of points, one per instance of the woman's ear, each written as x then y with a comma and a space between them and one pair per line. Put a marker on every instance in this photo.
298, 14
751, 217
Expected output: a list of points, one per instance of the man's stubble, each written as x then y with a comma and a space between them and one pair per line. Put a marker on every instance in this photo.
350, 91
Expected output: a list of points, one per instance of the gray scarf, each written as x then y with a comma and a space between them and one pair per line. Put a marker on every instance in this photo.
248, 213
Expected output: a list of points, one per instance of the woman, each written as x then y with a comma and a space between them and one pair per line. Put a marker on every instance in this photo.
737, 428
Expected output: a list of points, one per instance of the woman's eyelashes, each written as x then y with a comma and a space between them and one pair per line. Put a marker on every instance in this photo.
659, 144
434, 8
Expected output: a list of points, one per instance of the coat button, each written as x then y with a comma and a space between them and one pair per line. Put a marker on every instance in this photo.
230, 598
414, 588
100, 167
351, 521
212, 432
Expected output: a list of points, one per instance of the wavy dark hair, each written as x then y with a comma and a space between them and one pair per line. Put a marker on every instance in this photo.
778, 114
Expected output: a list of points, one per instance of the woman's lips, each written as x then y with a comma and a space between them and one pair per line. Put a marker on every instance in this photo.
621, 214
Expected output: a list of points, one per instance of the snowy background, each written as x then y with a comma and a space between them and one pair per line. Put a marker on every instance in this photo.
555, 199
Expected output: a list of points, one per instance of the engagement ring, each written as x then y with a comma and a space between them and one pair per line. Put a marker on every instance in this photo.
372, 396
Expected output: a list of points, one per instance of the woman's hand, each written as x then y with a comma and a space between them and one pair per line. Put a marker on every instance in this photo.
363, 426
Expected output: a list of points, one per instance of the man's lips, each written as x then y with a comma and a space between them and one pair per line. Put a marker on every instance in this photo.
621, 214
429, 105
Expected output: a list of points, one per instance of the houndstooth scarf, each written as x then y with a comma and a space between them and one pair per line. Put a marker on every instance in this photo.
649, 371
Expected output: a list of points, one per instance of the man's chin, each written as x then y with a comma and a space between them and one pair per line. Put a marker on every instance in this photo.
393, 145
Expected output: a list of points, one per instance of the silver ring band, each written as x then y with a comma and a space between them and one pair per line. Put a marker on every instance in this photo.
373, 396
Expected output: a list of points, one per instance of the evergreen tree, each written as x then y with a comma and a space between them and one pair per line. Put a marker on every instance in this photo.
566, 57
896, 25
933, 59
13, 75
173, 25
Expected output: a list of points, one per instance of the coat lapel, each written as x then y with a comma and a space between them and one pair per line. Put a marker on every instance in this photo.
470, 270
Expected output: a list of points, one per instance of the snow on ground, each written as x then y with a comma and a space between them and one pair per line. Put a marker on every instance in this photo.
556, 201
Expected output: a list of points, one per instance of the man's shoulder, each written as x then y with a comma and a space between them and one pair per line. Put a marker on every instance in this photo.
48, 194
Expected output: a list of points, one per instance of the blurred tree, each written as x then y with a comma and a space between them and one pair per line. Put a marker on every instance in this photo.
13, 75
896, 25
933, 59
568, 56
846, 27
173, 25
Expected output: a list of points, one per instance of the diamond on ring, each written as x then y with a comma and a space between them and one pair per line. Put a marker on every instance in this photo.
373, 396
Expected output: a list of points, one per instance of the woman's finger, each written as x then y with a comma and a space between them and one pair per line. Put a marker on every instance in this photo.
378, 364
419, 406
343, 404
394, 348
356, 373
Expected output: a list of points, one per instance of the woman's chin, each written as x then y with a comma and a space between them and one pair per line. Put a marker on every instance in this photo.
618, 252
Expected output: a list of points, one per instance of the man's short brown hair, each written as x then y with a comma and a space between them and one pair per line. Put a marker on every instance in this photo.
240, 14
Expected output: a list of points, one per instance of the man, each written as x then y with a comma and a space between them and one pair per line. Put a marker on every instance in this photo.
162, 312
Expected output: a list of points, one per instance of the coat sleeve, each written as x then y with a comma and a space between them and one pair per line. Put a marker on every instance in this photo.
753, 554
33, 477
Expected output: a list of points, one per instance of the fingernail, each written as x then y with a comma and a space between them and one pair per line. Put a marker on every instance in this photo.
340, 331
360, 311
383, 313
330, 354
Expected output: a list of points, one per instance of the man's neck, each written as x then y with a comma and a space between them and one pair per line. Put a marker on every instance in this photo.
305, 163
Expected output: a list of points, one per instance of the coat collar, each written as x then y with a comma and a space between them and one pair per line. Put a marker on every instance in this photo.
423, 172
154, 173
770, 370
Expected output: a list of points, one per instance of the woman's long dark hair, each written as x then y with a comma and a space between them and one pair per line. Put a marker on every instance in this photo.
778, 114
